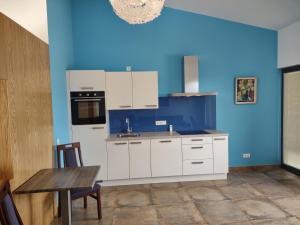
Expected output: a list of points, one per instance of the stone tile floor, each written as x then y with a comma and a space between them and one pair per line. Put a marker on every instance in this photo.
258, 197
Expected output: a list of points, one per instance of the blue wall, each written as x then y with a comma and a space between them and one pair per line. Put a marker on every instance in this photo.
61, 58
185, 114
226, 50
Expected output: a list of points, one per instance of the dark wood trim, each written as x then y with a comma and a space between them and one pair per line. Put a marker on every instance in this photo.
291, 169
253, 168
291, 69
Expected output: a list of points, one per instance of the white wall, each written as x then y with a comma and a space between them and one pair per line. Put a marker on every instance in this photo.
289, 46
30, 14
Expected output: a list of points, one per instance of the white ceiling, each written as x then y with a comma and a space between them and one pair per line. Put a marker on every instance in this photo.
272, 14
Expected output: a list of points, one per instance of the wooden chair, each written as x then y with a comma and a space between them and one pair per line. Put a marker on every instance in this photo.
8, 212
72, 158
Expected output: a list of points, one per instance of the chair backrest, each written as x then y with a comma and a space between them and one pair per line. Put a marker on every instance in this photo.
8, 212
71, 154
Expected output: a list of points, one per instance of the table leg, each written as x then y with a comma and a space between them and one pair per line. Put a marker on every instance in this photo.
66, 208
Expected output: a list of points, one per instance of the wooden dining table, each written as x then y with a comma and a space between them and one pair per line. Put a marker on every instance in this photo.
62, 180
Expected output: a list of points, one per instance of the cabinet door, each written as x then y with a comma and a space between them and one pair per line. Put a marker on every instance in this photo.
118, 160
145, 90
119, 90
139, 153
220, 149
93, 146
166, 157
87, 80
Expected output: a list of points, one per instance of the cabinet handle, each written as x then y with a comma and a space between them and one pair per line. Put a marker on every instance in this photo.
121, 143
166, 141
136, 143
219, 139
200, 147
197, 139
97, 128
125, 106
86, 88
151, 105
197, 162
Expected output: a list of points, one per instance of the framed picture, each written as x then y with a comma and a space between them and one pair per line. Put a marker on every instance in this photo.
245, 90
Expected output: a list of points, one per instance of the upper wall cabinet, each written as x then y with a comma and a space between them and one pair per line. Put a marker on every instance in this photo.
145, 90
132, 90
119, 90
86, 80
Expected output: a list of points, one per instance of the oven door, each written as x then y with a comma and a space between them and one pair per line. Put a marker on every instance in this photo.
88, 111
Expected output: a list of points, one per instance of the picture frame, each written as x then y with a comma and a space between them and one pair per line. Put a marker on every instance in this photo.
245, 90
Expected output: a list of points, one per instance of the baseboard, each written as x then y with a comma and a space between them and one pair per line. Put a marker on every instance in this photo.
253, 168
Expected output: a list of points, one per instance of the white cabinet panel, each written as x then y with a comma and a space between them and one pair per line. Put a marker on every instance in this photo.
197, 140
197, 151
118, 160
139, 154
194, 167
145, 90
93, 146
87, 80
119, 90
166, 157
220, 149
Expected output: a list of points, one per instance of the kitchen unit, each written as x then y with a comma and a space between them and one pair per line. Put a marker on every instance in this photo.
132, 90
172, 156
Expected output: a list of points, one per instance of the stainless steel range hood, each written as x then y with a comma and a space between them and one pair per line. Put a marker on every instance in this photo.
191, 79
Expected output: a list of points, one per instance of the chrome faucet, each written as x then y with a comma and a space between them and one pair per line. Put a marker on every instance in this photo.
127, 121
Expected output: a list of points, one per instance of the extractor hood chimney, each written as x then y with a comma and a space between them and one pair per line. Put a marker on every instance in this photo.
191, 79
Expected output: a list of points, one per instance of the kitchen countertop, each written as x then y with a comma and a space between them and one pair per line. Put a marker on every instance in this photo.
164, 134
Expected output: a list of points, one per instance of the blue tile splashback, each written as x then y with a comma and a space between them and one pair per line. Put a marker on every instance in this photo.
184, 113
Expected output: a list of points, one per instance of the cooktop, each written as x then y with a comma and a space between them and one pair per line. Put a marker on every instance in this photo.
191, 132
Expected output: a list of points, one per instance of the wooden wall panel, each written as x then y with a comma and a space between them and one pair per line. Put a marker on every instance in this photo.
30, 116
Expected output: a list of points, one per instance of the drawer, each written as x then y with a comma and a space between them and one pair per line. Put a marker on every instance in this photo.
197, 151
198, 140
201, 166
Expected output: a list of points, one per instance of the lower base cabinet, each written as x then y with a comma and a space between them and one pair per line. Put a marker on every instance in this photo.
166, 157
118, 160
195, 167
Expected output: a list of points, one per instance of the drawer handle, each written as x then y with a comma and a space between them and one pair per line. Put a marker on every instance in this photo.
200, 147
151, 105
97, 128
197, 139
136, 143
219, 139
166, 141
86, 88
125, 106
197, 162
121, 143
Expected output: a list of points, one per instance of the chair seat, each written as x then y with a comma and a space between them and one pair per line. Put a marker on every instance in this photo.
82, 192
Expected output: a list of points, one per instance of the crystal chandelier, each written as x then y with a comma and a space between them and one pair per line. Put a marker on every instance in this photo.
137, 11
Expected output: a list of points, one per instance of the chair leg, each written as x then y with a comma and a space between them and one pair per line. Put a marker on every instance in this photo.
59, 206
85, 202
99, 204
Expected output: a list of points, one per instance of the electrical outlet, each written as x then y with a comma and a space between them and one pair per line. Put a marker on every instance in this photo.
160, 122
246, 155
128, 68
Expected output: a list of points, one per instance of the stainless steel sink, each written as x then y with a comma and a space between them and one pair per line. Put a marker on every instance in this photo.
128, 135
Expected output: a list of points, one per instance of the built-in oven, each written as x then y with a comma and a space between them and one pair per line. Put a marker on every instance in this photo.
88, 108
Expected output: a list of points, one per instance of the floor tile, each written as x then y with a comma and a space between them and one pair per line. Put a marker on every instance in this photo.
291, 184
135, 216
204, 193
255, 178
290, 205
166, 185
169, 196
281, 174
273, 189
179, 214
244, 191
133, 198
232, 179
260, 209
221, 212
288, 221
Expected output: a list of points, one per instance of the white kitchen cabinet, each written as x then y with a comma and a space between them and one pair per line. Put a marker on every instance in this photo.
145, 90
220, 149
166, 157
119, 90
198, 166
197, 151
93, 146
139, 154
86, 80
118, 160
